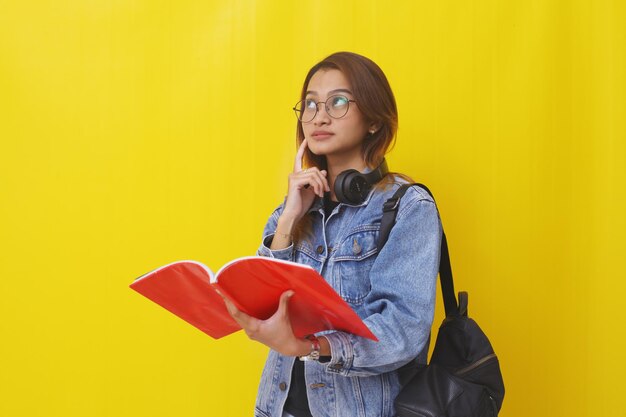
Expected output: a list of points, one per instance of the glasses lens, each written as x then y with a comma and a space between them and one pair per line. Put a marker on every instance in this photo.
305, 110
337, 106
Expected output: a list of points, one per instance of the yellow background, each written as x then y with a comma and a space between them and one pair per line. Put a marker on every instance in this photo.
136, 133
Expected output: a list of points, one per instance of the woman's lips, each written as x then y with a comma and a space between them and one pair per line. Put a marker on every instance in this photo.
321, 135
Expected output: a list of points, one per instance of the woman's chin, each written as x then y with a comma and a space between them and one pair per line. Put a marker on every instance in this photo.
316, 150
321, 147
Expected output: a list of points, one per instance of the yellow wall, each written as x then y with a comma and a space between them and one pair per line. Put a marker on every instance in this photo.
138, 133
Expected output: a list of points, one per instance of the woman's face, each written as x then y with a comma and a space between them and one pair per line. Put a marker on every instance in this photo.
339, 139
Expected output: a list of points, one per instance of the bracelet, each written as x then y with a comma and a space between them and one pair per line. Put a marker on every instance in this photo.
315, 349
284, 235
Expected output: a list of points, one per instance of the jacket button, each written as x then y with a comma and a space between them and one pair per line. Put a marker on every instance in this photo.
282, 386
356, 248
320, 249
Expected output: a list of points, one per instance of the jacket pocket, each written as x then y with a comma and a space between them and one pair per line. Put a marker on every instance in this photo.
354, 259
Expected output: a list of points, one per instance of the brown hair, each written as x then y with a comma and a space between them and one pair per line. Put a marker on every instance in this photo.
375, 100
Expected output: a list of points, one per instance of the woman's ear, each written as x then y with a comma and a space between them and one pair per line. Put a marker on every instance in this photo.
373, 128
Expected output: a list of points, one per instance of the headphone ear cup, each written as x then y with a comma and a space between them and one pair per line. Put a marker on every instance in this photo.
352, 186
342, 186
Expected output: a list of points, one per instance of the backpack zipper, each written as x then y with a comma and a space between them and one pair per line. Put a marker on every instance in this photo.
475, 364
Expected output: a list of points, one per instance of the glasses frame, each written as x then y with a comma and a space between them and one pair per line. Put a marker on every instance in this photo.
317, 108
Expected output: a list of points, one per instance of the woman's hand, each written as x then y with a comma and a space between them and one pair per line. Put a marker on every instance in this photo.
304, 186
275, 332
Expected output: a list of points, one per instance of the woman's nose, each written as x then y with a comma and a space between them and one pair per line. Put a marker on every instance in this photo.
321, 117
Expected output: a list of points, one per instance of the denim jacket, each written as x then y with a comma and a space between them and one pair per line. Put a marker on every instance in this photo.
393, 291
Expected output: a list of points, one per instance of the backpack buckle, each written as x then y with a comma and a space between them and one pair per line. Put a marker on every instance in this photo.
391, 204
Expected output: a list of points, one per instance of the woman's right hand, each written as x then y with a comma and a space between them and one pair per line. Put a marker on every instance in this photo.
304, 186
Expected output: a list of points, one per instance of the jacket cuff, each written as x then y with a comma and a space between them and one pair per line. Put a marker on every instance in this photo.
342, 353
282, 254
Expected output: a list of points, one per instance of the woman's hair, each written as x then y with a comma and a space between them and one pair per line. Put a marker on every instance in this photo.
374, 98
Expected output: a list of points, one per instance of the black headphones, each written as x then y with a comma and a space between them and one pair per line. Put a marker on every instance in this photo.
352, 186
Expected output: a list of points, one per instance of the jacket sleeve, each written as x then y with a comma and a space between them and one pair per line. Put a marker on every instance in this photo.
286, 254
400, 306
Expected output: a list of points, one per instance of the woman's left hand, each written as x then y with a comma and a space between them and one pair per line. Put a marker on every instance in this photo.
275, 332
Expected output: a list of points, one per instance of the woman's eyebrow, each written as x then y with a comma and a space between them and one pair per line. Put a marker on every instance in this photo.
338, 90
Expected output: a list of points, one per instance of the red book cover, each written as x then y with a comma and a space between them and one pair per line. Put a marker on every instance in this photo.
254, 284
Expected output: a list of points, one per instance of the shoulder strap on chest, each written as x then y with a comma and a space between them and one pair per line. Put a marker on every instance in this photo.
390, 211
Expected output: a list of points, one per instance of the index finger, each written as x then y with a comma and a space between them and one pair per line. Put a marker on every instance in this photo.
297, 166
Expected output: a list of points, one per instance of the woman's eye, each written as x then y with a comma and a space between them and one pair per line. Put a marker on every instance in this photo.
310, 104
339, 101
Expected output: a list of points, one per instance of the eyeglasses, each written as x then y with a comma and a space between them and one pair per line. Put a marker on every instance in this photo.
336, 107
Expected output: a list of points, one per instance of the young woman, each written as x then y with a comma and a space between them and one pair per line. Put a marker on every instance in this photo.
347, 119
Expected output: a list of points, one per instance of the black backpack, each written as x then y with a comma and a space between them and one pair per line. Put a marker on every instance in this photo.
463, 378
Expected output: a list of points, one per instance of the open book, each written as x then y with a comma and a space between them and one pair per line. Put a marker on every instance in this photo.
254, 284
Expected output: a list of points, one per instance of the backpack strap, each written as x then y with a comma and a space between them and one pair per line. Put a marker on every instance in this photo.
390, 211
